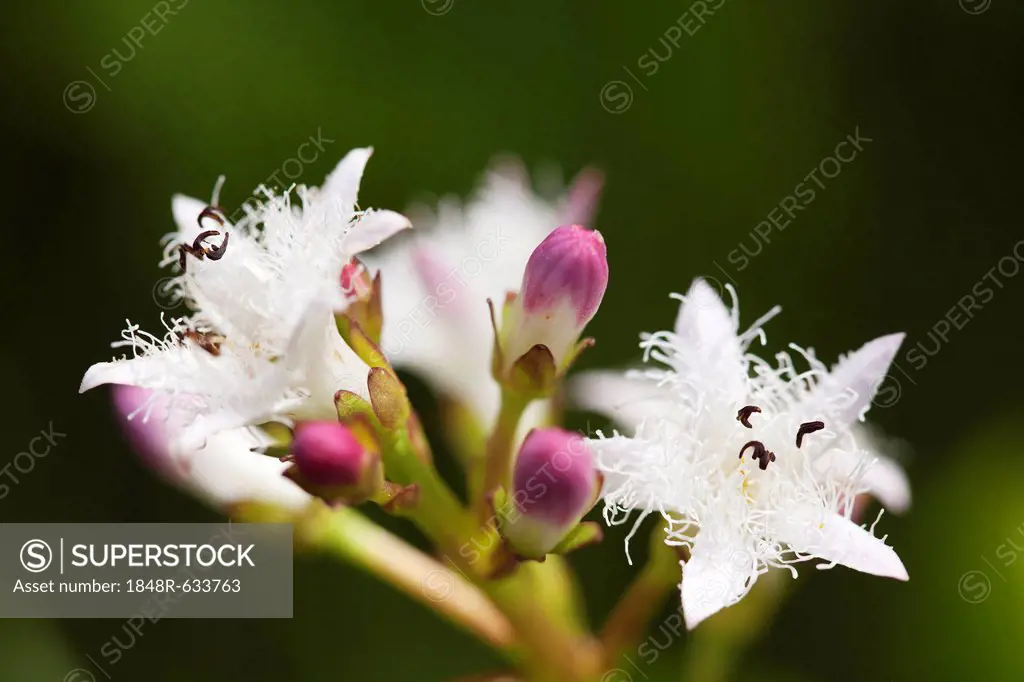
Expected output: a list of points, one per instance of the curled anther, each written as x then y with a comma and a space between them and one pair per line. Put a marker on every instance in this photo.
185, 250
743, 416
198, 251
806, 428
762, 455
197, 243
214, 212
217, 252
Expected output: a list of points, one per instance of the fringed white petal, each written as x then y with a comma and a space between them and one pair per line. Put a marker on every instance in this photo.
839, 540
222, 473
882, 477
718, 574
845, 395
341, 187
227, 472
372, 228
624, 397
706, 345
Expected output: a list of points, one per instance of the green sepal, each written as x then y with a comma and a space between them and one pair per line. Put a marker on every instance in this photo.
350, 404
388, 397
359, 341
586, 533
534, 374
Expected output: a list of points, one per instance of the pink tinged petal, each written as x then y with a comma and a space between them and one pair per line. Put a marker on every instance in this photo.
838, 540
183, 374
222, 473
571, 263
628, 400
432, 274
717, 575
144, 423
372, 228
846, 394
584, 195
341, 187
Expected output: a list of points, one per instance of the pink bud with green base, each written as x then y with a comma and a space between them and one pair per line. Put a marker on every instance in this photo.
564, 282
554, 484
331, 462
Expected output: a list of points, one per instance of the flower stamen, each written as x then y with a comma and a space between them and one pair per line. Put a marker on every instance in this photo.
199, 251
806, 428
743, 416
215, 212
761, 454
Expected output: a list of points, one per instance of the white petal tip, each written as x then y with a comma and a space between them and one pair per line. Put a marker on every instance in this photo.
891, 340
186, 211
94, 376
895, 569
693, 621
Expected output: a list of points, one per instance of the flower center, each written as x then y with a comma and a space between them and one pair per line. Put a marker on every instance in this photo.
762, 455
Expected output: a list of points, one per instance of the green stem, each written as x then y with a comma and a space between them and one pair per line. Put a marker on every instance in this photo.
500, 450
438, 512
350, 536
551, 653
627, 623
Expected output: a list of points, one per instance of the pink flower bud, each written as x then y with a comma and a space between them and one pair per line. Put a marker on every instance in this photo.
355, 280
563, 285
571, 264
554, 483
327, 454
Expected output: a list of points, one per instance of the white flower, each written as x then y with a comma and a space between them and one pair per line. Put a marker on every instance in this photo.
743, 500
437, 282
261, 343
222, 473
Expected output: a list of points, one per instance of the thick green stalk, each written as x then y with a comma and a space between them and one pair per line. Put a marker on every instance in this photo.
500, 450
551, 652
628, 621
347, 534
438, 512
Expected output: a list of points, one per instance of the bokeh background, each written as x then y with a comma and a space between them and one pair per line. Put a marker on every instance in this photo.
696, 154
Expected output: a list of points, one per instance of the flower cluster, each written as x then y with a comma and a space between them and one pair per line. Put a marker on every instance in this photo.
280, 388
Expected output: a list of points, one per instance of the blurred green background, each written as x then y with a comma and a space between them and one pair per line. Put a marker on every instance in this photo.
734, 117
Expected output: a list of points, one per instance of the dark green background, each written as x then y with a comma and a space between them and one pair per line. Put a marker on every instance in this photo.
738, 115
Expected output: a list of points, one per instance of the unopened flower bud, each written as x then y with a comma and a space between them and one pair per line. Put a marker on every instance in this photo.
554, 483
331, 462
355, 280
361, 320
564, 282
